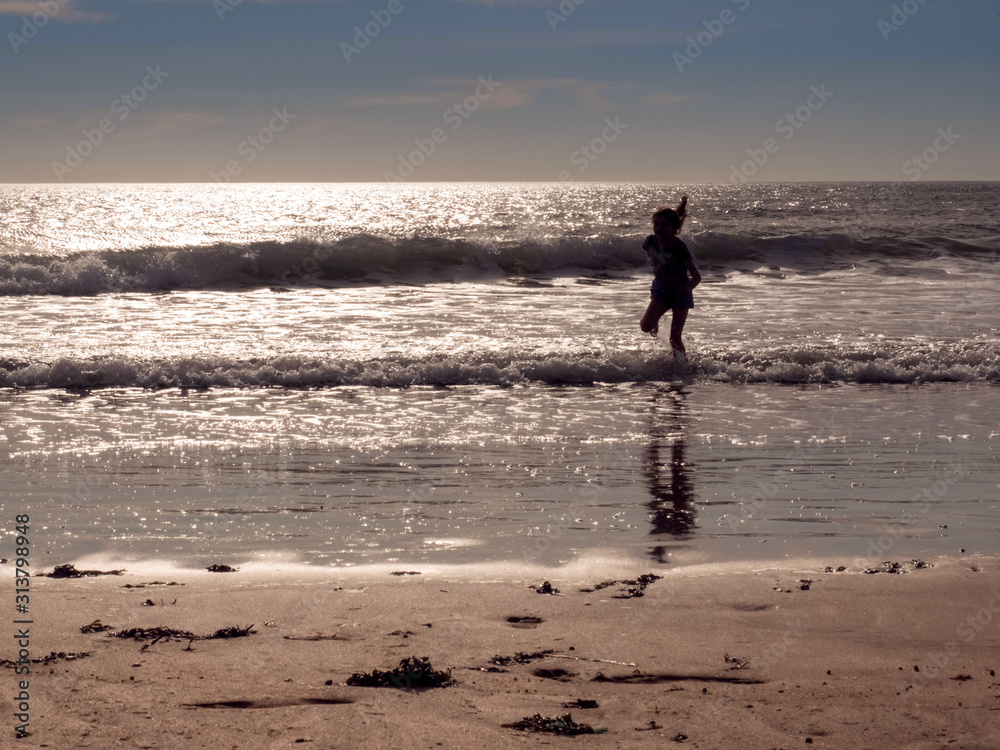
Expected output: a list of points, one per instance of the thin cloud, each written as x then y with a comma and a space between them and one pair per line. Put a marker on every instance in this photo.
162, 123
141, 123
32, 122
62, 10
664, 99
506, 95
395, 100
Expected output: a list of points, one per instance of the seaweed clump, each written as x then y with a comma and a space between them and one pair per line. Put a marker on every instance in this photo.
896, 568
52, 657
70, 571
635, 587
234, 631
520, 658
545, 588
412, 672
95, 627
559, 725
155, 635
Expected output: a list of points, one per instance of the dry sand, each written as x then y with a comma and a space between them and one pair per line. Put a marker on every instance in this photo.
852, 660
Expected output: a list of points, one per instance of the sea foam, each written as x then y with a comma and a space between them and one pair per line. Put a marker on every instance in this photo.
368, 259
888, 364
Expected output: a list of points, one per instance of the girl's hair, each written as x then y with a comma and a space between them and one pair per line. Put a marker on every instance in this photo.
675, 216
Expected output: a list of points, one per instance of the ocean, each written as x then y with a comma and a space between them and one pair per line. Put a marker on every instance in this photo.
430, 374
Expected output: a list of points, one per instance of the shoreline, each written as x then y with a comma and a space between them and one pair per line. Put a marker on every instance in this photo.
718, 654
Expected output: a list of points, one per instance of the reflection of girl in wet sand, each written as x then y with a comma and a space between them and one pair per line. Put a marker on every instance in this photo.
676, 275
668, 474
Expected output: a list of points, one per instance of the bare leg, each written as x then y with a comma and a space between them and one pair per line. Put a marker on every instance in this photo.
677, 327
650, 322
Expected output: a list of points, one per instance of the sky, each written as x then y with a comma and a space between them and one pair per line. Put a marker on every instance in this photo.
498, 90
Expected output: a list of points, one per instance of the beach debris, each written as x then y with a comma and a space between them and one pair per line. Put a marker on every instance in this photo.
805, 583
221, 569
413, 672
599, 661
679, 737
271, 703
526, 658
405, 573
558, 725
838, 569
155, 635
520, 658
52, 657
545, 588
151, 583
315, 637
70, 571
651, 725
736, 662
234, 631
560, 675
526, 621
962, 677
600, 586
95, 627
149, 603
634, 588
896, 568
641, 678
582, 703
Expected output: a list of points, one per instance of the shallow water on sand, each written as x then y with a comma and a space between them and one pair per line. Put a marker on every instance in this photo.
349, 374
349, 476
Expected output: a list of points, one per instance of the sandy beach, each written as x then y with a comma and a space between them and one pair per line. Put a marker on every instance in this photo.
708, 656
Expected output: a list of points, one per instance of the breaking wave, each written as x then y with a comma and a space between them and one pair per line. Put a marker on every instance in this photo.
366, 259
888, 364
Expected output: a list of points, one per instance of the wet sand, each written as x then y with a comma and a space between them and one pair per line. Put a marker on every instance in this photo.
708, 656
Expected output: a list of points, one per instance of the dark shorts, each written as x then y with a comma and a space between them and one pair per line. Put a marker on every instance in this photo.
675, 300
